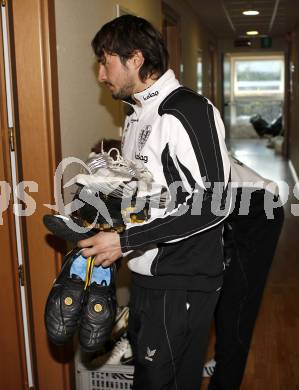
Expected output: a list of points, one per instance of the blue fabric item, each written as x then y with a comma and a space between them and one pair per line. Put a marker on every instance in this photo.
100, 275
78, 267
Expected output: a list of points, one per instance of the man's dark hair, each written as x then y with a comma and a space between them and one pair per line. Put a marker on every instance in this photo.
125, 35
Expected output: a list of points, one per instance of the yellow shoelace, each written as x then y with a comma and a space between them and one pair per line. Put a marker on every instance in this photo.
89, 268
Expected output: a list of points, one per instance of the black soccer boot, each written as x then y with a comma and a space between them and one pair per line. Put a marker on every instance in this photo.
91, 211
66, 227
98, 315
64, 303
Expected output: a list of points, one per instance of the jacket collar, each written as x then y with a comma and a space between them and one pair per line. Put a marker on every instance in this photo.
157, 91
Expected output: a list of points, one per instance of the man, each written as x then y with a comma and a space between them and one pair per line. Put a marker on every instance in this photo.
176, 256
251, 234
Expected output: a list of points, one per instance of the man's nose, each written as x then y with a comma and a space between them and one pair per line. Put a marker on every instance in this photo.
102, 76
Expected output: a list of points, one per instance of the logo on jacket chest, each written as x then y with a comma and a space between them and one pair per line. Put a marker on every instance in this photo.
141, 157
143, 136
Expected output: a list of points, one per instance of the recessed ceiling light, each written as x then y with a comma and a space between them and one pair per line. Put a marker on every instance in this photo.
250, 12
252, 32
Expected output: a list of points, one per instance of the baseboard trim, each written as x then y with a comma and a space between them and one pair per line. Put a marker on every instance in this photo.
293, 172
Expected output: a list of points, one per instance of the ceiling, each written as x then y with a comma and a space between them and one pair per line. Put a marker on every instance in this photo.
226, 21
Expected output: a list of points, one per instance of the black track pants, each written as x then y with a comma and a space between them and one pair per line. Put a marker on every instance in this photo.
168, 331
251, 244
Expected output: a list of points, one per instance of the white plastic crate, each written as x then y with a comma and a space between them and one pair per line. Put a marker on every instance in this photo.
106, 377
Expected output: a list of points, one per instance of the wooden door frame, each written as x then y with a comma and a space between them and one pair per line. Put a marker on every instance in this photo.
171, 25
13, 359
37, 135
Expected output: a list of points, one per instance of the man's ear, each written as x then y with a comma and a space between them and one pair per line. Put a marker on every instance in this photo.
137, 59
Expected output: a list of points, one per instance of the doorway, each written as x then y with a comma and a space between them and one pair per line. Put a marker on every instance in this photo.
253, 85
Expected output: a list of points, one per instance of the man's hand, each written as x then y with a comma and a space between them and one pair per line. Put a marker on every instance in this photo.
104, 246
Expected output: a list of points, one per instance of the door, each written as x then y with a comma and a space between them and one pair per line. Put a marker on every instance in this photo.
15, 358
36, 152
226, 93
12, 358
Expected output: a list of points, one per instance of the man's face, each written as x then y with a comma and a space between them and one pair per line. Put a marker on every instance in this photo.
119, 78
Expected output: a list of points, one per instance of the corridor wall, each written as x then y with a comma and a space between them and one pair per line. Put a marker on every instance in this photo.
293, 142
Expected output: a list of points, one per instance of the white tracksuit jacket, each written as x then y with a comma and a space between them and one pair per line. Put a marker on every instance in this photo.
179, 136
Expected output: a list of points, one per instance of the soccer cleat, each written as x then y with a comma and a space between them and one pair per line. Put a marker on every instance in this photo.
64, 303
68, 228
98, 315
209, 368
107, 191
121, 353
108, 175
99, 210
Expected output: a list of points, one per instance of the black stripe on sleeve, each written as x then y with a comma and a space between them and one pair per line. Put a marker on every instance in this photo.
197, 117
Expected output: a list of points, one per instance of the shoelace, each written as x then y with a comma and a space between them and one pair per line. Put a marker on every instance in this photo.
89, 268
104, 160
133, 172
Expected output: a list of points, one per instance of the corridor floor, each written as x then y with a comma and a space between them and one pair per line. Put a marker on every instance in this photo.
274, 356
